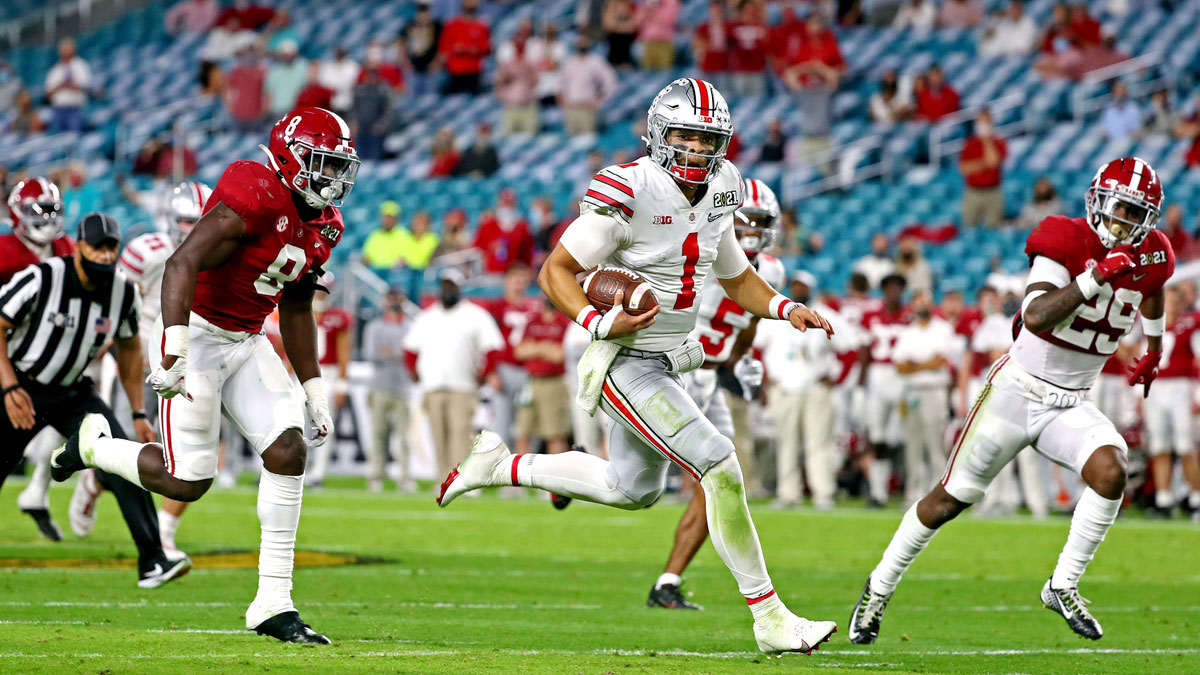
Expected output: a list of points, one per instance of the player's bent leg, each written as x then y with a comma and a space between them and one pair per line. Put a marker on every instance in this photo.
34, 500
690, 535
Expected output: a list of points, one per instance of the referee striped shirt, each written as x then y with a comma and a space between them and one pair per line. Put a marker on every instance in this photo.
58, 325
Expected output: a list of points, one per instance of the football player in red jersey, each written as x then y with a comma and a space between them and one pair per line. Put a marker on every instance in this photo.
882, 387
334, 345
265, 233
1089, 278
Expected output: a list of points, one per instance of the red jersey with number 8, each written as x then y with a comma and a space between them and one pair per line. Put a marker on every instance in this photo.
277, 249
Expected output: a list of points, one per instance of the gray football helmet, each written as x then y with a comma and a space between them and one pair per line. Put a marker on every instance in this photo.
181, 208
689, 104
757, 219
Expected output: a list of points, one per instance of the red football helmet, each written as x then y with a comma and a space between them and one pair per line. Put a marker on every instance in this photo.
1131, 184
313, 153
36, 209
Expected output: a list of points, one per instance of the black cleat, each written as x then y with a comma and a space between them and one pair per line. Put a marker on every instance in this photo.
45, 523
1072, 607
558, 501
163, 570
668, 596
287, 627
867, 615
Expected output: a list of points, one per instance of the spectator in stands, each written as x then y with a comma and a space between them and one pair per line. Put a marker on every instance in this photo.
878, 263
286, 78
1011, 34
503, 236
67, 86
383, 249
480, 160
516, 84
245, 99
544, 226
813, 76
710, 45
1044, 203
748, 44
79, 196
918, 15
586, 83
10, 85
936, 98
388, 72
464, 45
1084, 27
454, 237
1122, 117
448, 350
960, 14
620, 30
227, 40
1161, 119
788, 39
420, 48
912, 265
371, 113
657, 19
339, 75
1078, 59
210, 79
249, 15
1057, 37
25, 119
421, 242
982, 167
549, 53
445, 154
774, 147
192, 16
383, 346
314, 94
890, 104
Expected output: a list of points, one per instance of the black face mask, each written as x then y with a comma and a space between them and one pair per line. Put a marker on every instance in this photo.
1011, 307
907, 255
99, 275
924, 314
449, 298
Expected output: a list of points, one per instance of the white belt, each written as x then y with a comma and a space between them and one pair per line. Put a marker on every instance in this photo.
206, 325
1040, 390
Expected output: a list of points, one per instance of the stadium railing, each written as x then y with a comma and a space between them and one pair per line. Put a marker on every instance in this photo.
1092, 93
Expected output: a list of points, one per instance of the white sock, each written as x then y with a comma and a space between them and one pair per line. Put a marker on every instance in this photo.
910, 539
732, 531
1194, 499
117, 456
572, 474
668, 579
1093, 516
1162, 499
36, 495
878, 475
167, 526
279, 515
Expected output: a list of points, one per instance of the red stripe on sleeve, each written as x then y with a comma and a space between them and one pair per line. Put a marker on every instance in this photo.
610, 201
614, 183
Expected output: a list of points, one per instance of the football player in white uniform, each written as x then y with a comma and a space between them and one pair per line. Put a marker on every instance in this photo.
143, 261
1089, 278
725, 330
670, 218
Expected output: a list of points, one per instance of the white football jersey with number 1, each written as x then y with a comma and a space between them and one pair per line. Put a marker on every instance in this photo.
649, 227
722, 320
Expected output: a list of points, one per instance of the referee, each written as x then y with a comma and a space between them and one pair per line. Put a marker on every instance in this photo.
55, 317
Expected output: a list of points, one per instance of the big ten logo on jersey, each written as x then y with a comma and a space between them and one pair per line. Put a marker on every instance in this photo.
727, 198
662, 220
1098, 325
1154, 257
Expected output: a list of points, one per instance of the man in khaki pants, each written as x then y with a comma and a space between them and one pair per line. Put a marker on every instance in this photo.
383, 346
447, 351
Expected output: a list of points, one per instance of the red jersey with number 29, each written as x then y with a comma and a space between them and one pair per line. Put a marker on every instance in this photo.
1072, 353
276, 250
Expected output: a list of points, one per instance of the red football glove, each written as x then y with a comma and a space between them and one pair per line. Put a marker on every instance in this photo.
1145, 371
1117, 264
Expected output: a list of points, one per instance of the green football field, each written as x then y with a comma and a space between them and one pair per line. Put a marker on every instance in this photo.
512, 586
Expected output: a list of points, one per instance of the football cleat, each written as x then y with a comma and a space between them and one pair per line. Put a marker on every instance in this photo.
67, 459
669, 596
163, 569
45, 523
1072, 607
559, 501
486, 465
784, 632
82, 510
287, 627
865, 618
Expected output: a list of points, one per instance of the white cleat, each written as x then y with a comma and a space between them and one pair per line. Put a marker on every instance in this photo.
486, 465
82, 511
785, 632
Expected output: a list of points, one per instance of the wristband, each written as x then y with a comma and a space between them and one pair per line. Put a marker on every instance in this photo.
8, 390
139, 415
781, 307
1154, 327
589, 318
175, 341
1088, 284
314, 388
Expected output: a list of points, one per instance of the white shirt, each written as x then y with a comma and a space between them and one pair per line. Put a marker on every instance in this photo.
634, 216
77, 71
340, 78
919, 343
1010, 38
451, 345
993, 334
874, 268
796, 361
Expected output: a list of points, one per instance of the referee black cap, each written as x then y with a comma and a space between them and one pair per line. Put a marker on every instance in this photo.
98, 229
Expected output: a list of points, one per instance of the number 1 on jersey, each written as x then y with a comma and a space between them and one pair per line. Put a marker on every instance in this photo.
691, 254
271, 282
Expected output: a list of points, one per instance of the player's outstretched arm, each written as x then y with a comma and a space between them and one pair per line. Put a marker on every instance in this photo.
212, 241
756, 296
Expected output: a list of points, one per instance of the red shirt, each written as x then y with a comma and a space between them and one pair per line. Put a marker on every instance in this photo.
249, 18
747, 47
464, 45
715, 60
822, 48
244, 95
277, 249
314, 96
983, 178
933, 105
387, 72
502, 248
884, 329
443, 164
16, 256
332, 323
1087, 30
787, 40
543, 330
1178, 357
512, 319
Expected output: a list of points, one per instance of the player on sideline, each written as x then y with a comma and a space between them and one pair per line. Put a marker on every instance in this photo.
669, 218
725, 330
1088, 279
261, 242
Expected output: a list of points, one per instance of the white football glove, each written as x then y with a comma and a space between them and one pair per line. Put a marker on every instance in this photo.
749, 374
170, 382
316, 406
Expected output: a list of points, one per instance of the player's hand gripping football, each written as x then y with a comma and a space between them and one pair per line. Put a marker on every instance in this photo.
803, 318
1145, 371
168, 377
1117, 264
617, 323
320, 419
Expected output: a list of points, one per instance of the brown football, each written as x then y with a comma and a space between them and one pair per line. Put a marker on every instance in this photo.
602, 284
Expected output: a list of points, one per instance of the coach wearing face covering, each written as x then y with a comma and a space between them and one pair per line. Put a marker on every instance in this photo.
450, 349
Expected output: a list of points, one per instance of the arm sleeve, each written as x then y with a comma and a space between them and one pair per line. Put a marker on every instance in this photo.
593, 237
128, 327
1048, 271
19, 294
731, 259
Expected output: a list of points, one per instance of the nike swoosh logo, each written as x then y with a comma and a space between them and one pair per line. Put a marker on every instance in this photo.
155, 571
715, 216
1139, 277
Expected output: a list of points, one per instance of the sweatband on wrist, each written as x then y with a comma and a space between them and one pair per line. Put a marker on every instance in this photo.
589, 318
139, 415
314, 388
1154, 327
781, 307
1088, 284
175, 340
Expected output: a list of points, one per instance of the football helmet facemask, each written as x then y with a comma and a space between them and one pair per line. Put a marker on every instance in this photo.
1124, 201
313, 153
697, 110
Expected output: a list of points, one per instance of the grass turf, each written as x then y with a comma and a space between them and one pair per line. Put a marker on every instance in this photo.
493, 585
